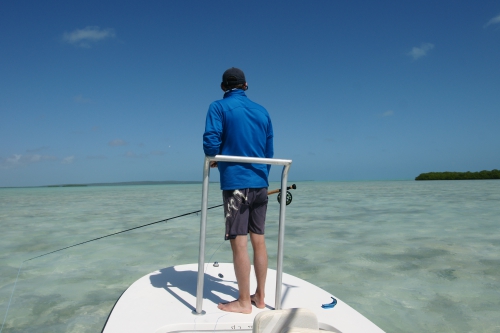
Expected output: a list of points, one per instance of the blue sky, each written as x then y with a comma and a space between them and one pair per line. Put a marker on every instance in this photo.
110, 91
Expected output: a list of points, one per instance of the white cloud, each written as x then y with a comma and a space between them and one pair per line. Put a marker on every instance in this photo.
84, 37
97, 157
387, 113
68, 160
418, 52
80, 99
134, 155
14, 159
19, 160
158, 152
494, 20
130, 154
117, 143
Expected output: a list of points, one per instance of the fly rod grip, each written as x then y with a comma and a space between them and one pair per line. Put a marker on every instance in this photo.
293, 187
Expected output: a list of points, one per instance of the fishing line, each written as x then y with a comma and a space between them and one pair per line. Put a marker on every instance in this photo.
119, 232
10, 300
91, 240
288, 201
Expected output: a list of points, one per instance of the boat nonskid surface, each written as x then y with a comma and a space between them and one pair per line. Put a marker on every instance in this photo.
164, 301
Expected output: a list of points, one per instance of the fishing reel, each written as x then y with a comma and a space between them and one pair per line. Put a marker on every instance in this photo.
288, 198
288, 194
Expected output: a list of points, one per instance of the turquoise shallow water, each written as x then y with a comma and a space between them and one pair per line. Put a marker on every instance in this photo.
410, 256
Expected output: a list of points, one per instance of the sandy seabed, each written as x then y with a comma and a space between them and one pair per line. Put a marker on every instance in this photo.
410, 256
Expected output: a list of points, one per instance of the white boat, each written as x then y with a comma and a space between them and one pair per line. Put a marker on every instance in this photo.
184, 298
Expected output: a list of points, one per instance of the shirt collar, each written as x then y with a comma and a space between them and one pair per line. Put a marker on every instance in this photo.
234, 92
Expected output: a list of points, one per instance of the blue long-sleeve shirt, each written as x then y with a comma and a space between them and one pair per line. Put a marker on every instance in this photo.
239, 127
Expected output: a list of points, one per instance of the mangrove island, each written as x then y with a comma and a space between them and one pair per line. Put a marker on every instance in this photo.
450, 175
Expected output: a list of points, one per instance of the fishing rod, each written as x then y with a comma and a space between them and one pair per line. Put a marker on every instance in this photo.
292, 187
88, 241
288, 201
120, 232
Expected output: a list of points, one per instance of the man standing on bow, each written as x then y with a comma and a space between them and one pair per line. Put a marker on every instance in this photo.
237, 126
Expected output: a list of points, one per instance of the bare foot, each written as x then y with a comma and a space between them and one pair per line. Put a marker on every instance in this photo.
235, 306
259, 303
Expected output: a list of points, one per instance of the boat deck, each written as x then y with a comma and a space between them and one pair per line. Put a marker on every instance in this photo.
163, 301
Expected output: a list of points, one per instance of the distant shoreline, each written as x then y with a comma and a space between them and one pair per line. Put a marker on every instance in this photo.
166, 182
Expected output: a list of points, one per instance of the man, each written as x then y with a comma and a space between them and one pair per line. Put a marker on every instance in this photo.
237, 126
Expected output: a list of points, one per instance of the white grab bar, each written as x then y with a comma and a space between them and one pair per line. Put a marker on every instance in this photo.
204, 205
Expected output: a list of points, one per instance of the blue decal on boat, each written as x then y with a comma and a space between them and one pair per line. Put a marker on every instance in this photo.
330, 305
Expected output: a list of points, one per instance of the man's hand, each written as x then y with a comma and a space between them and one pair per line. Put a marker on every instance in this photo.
213, 164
